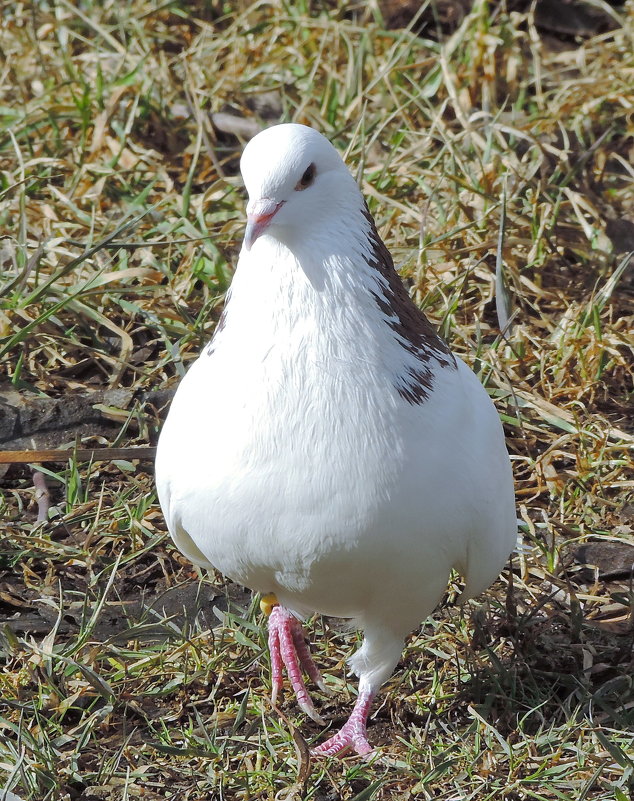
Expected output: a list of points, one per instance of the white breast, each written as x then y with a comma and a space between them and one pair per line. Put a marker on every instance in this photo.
291, 463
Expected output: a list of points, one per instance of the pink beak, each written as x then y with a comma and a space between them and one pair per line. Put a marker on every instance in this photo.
259, 216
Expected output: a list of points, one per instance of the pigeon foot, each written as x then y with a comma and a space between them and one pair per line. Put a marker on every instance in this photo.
288, 648
353, 733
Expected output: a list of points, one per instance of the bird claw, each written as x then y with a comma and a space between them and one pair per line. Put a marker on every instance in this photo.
341, 742
308, 708
353, 733
288, 649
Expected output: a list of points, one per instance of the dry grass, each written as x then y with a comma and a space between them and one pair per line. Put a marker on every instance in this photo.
498, 163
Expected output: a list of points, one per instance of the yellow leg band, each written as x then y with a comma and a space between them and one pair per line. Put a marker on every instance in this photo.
267, 602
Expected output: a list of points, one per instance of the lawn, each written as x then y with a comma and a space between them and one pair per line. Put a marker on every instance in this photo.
494, 144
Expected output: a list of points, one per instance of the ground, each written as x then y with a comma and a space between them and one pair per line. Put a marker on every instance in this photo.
495, 145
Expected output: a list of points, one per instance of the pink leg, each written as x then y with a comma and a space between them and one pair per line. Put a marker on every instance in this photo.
304, 656
288, 649
353, 733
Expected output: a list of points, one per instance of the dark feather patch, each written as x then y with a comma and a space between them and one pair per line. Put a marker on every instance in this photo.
415, 332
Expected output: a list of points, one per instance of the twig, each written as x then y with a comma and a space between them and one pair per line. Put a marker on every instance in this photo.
81, 454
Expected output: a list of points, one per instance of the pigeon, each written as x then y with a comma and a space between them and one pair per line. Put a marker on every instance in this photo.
327, 449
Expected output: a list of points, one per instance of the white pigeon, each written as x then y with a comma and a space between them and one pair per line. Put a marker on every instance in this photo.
327, 449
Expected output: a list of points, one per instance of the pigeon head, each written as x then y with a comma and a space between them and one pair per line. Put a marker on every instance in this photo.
296, 181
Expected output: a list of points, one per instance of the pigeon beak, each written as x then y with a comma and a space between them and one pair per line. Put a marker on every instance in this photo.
259, 215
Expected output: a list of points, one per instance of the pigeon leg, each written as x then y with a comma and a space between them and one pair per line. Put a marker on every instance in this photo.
353, 732
288, 649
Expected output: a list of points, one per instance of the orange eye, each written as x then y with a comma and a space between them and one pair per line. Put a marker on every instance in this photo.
307, 178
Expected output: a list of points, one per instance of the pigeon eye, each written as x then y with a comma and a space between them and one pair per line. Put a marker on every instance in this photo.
307, 178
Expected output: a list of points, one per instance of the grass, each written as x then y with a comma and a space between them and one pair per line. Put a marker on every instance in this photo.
497, 160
